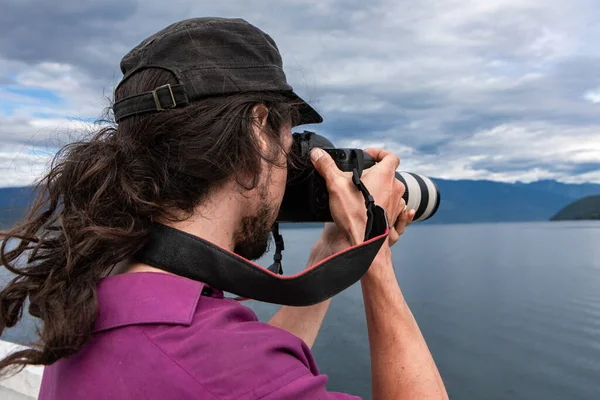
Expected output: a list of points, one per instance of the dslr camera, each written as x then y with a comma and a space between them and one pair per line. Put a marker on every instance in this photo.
306, 198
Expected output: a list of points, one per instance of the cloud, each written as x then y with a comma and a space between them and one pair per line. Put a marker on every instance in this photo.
593, 96
21, 165
497, 89
63, 32
508, 153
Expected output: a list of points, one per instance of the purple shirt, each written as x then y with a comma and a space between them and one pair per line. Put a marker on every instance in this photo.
157, 337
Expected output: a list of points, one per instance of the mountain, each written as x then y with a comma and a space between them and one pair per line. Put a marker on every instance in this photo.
14, 196
462, 201
575, 191
583, 209
13, 202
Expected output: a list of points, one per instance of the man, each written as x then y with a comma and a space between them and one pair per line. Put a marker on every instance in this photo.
202, 145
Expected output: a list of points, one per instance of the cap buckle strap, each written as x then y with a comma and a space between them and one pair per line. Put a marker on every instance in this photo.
159, 106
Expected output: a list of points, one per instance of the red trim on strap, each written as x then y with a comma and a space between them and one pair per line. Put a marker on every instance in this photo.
387, 231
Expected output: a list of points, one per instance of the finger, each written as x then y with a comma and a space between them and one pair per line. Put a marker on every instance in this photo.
324, 164
399, 210
393, 236
401, 222
377, 154
384, 157
411, 216
400, 189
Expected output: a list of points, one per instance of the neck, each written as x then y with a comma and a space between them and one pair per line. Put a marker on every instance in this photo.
216, 221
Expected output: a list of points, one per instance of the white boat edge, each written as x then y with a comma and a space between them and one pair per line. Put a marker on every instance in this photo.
27, 382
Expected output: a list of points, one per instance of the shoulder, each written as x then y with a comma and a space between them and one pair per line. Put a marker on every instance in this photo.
233, 355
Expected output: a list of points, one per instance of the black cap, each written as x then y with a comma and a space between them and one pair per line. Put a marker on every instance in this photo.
208, 57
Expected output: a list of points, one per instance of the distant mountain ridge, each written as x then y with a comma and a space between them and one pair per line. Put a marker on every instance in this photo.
463, 201
569, 190
13, 201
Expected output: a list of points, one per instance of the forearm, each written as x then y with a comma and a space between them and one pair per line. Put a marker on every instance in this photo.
401, 363
305, 322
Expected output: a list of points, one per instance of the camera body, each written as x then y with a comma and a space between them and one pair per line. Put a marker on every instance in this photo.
306, 198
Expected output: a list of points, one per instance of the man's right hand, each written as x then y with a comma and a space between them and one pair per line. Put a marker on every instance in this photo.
347, 203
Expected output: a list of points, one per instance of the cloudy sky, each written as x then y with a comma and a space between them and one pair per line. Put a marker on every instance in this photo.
506, 90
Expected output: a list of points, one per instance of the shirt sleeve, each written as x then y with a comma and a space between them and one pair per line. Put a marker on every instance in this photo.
307, 387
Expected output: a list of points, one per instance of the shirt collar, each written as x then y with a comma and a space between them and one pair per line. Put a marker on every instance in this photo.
146, 298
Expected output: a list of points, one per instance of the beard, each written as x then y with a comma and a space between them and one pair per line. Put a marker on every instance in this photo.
253, 239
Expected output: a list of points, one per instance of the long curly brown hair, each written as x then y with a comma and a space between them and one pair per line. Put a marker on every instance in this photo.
94, 207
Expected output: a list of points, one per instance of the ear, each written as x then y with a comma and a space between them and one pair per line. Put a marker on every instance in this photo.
260, 113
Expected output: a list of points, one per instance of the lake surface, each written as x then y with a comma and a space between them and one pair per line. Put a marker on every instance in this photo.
510, 311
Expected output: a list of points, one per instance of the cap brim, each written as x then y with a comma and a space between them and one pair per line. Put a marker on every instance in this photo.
307, 114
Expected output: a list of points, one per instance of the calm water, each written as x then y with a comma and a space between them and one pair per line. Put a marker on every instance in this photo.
510, 311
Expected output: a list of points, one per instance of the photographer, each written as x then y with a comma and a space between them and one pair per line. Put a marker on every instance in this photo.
116, 328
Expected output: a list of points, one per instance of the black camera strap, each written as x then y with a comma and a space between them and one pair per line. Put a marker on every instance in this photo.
187, 255
277, 266
369, 201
